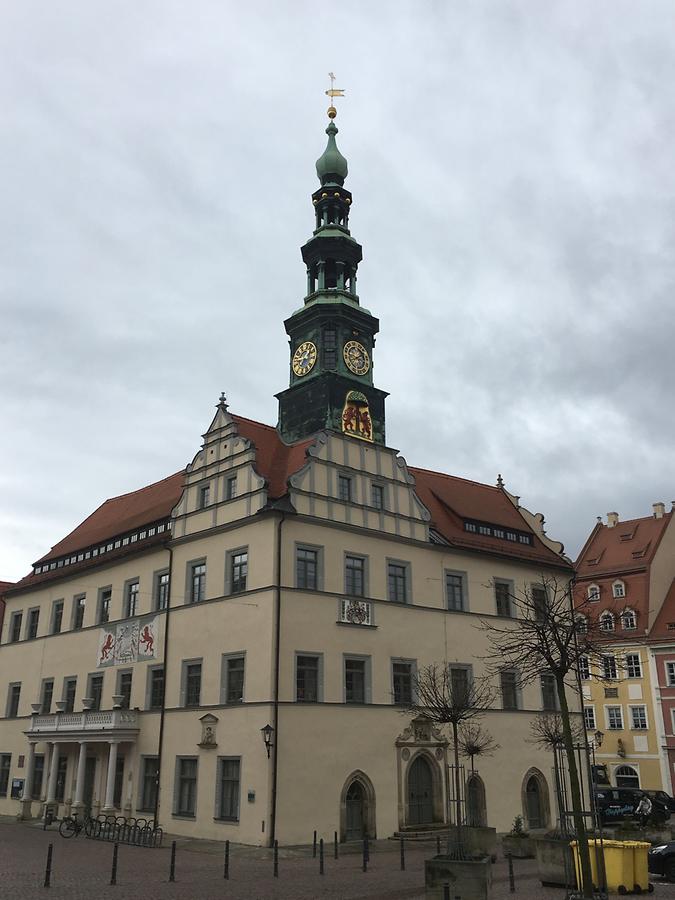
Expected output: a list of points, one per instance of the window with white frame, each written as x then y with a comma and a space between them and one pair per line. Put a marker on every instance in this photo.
614, 718
584, 668
619, 589
593, 592
582, 625
609, 671
628, 620
589, 718
607, 622
633, 665
638, 718
670, 673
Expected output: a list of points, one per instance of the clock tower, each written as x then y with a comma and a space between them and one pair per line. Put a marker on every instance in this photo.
332, 336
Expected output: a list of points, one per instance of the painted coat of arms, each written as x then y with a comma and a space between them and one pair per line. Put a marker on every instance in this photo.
128, 642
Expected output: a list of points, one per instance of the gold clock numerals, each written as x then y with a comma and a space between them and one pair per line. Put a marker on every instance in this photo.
356, 357
304, 358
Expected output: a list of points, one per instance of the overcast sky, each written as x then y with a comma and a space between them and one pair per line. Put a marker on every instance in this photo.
514, 192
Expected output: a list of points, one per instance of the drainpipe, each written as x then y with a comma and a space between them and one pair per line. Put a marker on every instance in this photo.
163, 709
277, 654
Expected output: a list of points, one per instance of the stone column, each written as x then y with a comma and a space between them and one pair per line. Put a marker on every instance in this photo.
110, 783
53, 773
78, 805
27, 801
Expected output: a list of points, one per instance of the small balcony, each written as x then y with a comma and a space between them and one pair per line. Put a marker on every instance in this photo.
119, 724
356, 612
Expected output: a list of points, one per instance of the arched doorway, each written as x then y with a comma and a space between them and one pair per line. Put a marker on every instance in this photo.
357, 808
627, 776
476, 813
420, 792
536, 807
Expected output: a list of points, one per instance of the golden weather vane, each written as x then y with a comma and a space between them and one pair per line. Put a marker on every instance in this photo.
333, 92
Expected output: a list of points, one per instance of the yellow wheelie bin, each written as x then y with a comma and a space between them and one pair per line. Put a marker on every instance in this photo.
619, 864
640, 865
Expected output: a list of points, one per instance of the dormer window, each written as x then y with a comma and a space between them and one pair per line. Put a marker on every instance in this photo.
607, 622
594, 592
619, 589
628, 620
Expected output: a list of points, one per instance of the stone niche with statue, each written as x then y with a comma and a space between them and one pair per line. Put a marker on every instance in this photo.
208, 739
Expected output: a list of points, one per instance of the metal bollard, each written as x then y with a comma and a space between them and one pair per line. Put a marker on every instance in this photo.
402, 855
314, 846
512, 880
172, 865
335, 845
276, 859
226, 869
365, 855
113, 874
438, 845
321, 857
48, 870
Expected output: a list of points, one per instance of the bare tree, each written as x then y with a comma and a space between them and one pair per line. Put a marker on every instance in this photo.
474, 740
547, 731
546, 635
451, 696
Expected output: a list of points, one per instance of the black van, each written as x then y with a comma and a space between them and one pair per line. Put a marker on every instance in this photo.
614, 805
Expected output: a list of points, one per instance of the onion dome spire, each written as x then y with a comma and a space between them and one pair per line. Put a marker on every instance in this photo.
331, 166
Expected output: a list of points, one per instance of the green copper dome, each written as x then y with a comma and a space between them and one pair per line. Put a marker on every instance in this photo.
331, 166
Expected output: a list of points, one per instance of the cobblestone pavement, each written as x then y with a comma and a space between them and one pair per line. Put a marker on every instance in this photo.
82, 868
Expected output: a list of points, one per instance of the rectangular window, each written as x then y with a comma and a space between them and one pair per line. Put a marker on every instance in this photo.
104, 601
584, 668
131, 599
233, 677
161, 590
455, 590
156, 687
95, 692
344, 488
204, 496
197, 582
670, 674
539, 602
355, 680
460, 684
397, 582
149, 784
549, 694
239, 571
377, 496
33, 621
633, 666
38, 775
124, 688
13, 697
228, 789
509, 687
192, 676
61, 773
186, 786
306, 568
119, 783
46, 696
608, 668
589, 718
614, 718
503, 597
15, 627
638, 718
330, 348
5, 763
402, 682
57, 616
355, 570
231, 488
78, 611
307, 678
69, 689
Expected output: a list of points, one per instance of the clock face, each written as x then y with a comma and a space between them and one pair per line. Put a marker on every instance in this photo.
304, 358
356, 357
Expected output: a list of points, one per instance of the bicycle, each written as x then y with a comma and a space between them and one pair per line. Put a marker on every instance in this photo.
72, 826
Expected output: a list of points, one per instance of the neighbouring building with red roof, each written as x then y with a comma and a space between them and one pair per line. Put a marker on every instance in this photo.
4, 585
294, 577
624, 574
662, 648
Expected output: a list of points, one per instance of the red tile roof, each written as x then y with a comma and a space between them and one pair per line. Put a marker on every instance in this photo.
450, 500
666, 616
4, 585
624, 546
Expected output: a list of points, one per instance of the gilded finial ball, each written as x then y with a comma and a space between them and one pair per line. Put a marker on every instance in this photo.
315, 202
332, 112
324, 195
336, 194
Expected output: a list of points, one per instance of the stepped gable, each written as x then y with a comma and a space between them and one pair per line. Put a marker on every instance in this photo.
628, 545
452, 501
276, 461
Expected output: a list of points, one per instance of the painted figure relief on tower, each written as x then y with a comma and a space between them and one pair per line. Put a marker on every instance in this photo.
356, 420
